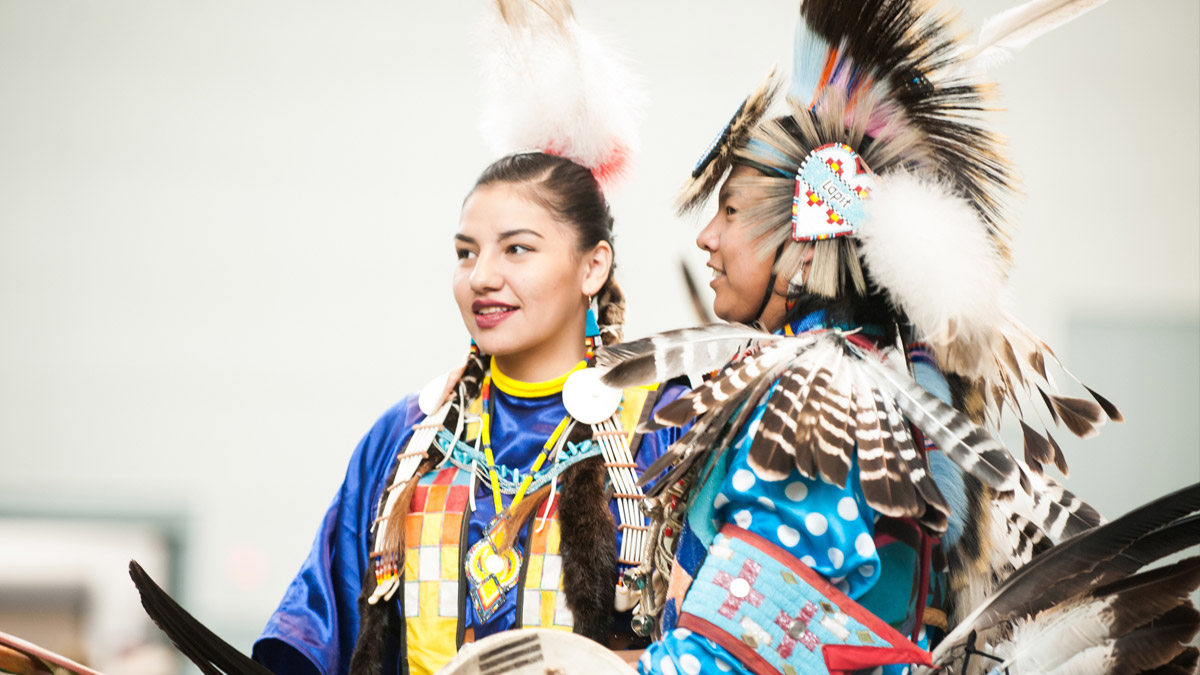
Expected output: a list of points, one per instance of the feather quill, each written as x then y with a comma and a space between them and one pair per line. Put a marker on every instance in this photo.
1010, 31
665, 356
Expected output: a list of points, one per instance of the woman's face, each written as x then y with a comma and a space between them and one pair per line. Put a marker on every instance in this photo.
740, 275
521, 283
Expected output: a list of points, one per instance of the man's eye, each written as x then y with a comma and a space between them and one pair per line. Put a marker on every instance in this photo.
729, 210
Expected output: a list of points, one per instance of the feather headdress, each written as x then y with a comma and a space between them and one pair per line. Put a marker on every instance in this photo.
881, 107
552, 86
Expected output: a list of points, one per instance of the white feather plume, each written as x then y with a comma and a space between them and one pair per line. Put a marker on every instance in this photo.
552, 86
930, 251
1010, 31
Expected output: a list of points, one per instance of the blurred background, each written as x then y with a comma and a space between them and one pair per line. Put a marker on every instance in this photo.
225, 249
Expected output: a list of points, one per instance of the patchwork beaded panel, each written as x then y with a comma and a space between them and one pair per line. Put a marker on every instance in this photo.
778, 616
434, 527
544, 604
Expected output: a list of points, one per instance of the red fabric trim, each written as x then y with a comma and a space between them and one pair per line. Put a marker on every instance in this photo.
845, 659
740, 650
863, 341
860, 613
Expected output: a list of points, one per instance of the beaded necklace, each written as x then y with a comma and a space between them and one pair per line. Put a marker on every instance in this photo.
489, 409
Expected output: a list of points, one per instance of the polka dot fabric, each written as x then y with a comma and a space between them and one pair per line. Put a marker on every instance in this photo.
830, 529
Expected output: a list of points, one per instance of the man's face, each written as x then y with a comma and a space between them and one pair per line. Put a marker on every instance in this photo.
740, 274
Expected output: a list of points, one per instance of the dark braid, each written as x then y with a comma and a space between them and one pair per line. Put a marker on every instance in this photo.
610, 314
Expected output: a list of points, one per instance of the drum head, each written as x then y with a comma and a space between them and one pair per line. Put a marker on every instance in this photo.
536, 652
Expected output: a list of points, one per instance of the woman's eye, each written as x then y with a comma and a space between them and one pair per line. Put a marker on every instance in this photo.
465, 254
517, 249
729, 211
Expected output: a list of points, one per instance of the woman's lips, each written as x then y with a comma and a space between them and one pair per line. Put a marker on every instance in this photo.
490, 314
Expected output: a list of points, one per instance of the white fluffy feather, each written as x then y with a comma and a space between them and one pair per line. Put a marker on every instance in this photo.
931, 252
1090, 661
1052, 638
555, 87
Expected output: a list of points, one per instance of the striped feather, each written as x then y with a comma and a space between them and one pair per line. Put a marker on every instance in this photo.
832, 442
972, 447
777, 447
665, 356
899, 451
1103, 555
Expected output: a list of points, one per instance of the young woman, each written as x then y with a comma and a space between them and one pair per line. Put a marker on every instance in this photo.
505, 495
534, 249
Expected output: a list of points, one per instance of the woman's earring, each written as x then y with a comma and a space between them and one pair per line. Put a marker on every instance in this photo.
592, 331
593, 328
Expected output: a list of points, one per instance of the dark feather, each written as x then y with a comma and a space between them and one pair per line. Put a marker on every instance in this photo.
1080, 416
899, 451
869, 433
1037, 449
1158, 643
1184, 664
1060, 460
713, 166
1109, 409
703, 438
1059, 512
1153, 591
211, 654
1038, 362
1010, 358
1049, 404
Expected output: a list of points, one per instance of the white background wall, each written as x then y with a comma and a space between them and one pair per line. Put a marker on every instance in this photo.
225, 240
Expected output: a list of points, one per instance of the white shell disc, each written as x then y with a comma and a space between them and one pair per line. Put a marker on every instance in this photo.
589, 400
429, 401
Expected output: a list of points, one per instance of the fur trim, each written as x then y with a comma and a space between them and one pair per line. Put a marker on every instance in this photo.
589, 549
553, 86
930, 251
